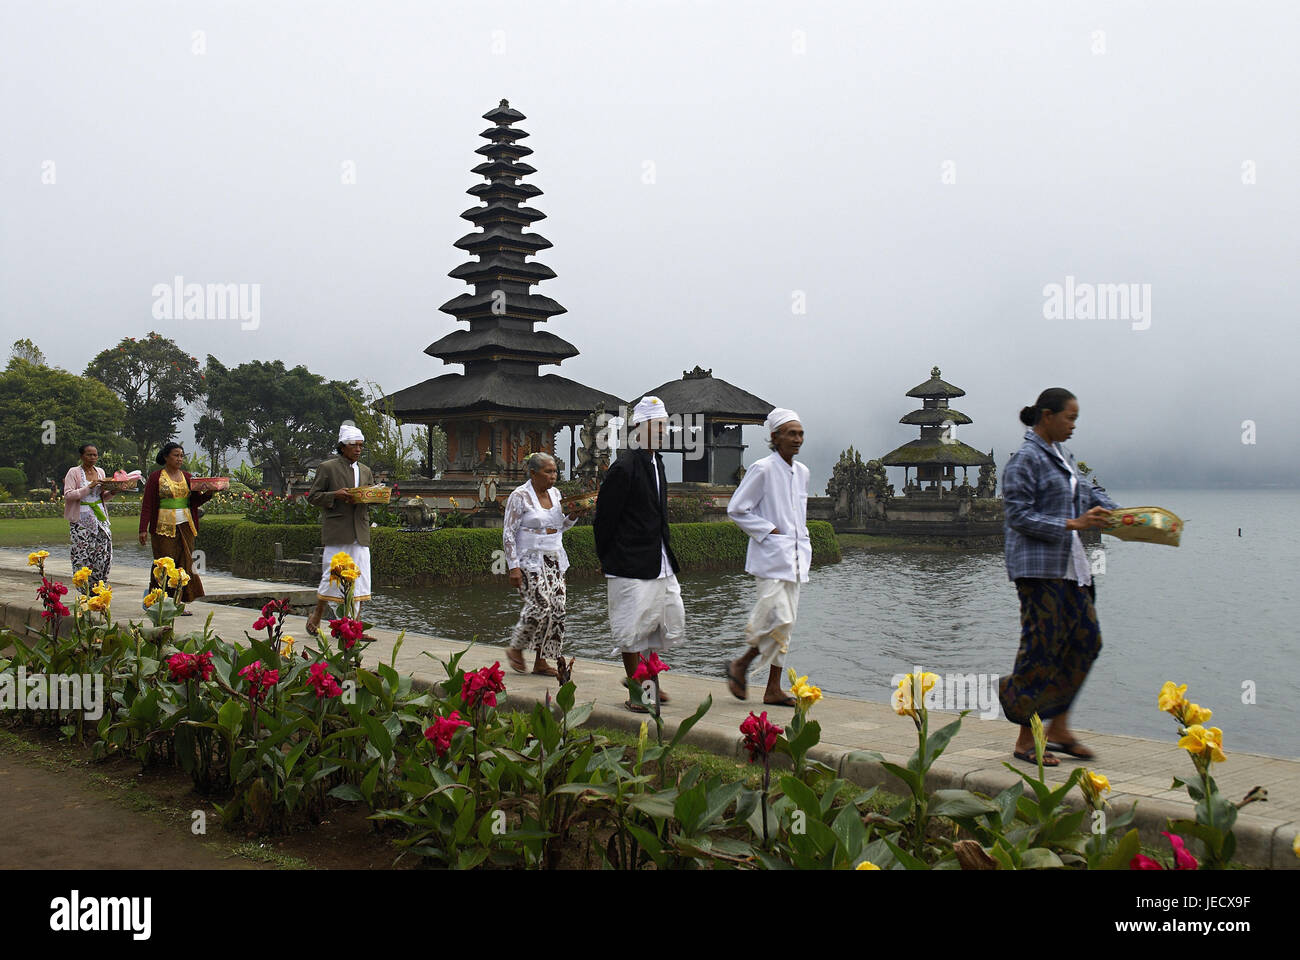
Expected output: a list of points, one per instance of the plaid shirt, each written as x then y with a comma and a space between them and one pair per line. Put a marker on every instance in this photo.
1036, 503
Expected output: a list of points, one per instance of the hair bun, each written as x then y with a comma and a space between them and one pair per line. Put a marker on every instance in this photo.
1027, 416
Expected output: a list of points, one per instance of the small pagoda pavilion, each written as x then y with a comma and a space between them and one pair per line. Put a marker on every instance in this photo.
937, 453
724, 408
501, 409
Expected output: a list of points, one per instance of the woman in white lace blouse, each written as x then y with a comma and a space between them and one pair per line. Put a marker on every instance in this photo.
533, 539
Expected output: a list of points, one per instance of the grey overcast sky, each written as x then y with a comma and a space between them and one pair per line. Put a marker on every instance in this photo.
916, 173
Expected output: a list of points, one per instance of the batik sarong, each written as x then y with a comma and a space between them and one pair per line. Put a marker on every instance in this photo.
1059, 640
541, 622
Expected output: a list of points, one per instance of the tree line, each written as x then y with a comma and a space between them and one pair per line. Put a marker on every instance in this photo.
133, 397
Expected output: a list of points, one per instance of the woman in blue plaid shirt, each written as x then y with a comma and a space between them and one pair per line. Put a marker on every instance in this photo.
1045, 505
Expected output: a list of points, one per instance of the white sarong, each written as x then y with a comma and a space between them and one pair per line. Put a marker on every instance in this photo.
645, 614
772, 620
334, 591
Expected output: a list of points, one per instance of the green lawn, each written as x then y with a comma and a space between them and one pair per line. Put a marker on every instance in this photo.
50, 532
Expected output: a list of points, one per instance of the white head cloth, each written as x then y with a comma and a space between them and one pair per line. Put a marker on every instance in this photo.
349, 434
650, 408
777, 418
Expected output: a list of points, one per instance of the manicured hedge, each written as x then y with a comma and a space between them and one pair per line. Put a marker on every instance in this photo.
401, 558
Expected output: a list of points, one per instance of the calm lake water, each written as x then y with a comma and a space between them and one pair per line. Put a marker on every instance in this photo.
1217, 613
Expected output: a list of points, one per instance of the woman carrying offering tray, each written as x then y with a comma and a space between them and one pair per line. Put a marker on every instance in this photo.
169, 515
85, 507
1046, 504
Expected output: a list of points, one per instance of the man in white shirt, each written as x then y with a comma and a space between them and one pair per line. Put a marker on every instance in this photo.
771, 505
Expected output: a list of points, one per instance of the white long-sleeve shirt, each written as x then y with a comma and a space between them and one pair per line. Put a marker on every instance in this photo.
774, 496
523, 533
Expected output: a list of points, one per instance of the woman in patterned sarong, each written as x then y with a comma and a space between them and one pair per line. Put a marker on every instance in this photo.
1045, 506
85, 507
533, 538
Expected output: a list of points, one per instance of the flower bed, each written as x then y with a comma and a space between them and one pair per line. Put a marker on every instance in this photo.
282, 735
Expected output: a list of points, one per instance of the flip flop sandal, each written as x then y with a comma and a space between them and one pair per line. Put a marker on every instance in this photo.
635, 707
787, 702
548, 672
731, 679
1072, 749
1049, 760
515, 668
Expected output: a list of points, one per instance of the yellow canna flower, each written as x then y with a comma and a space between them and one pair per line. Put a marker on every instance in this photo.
286, 646
1098, 783
34, 559
1171, 698
153, 596
901, 700
102, 589
1194, 713
81, 577
177, 577
83, 604
166, 563
1295, 845
866, 865
1203, 741
806, 693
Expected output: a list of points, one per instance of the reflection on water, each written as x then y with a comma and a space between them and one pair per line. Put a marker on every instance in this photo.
1217, 613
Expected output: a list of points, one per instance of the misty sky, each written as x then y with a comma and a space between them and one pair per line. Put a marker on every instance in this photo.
790, 147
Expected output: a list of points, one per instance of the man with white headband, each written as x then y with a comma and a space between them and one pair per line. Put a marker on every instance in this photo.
771, 505
631, 531
345, 526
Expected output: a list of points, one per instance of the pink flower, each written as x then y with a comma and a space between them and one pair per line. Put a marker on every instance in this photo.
760, 735
262, 623
183, 666
322, 681
347, 630
1183, 860
443, 729
482, 686
1143, 862
260, 679
649, 669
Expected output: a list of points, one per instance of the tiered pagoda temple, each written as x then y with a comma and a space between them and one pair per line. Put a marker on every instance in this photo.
501, 409
937, 453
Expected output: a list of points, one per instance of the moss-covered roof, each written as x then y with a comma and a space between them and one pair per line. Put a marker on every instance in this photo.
934, 417
935, 387
935, 451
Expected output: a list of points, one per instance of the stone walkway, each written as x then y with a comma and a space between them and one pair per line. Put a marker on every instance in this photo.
1139, 769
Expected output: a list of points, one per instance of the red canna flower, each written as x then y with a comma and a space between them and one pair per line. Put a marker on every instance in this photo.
443, 729
1183, 859
482, 686
322, 681
760, 735
649, 669
347, 631
1143, 862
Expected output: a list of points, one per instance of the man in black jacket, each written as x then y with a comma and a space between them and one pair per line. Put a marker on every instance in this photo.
631, 531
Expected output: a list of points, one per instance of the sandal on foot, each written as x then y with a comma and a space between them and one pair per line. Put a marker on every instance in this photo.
1049, 759
635, 707
787, 702
546, 672
734, 684
1073, 749
516, 661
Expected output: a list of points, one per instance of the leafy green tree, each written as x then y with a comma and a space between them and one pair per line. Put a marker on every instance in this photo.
289, 416
155, 379
24, 349
47, 413
213, 430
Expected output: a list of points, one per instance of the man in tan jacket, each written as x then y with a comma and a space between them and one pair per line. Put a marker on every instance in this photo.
345, 526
